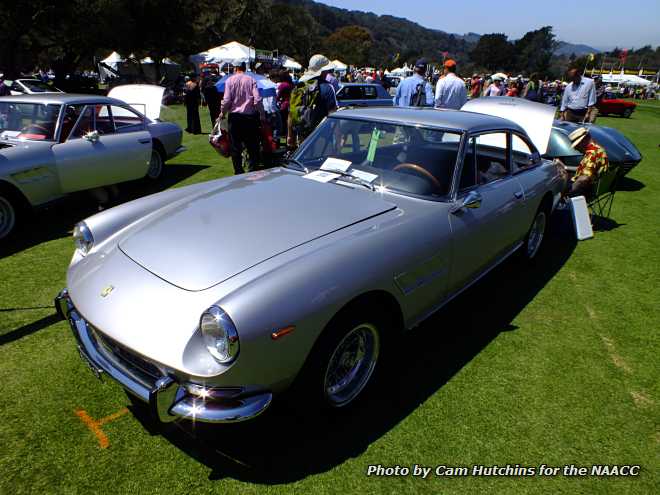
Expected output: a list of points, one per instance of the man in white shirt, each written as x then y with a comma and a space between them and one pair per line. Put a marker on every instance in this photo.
450, 91
579, 97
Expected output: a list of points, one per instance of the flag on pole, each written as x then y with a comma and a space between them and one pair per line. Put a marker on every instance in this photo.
591, 57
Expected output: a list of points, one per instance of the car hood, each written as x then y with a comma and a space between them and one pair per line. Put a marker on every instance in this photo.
145, 98
535, 118
207, 238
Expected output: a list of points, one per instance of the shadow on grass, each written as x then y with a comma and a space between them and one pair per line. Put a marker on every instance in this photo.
288, 443
604, 224
629, 184
57, 220
28, 329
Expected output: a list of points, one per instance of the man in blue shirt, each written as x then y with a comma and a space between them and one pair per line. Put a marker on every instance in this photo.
450, 92
579, 97
407, 89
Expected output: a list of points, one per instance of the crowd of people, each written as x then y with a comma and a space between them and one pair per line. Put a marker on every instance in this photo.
299, 105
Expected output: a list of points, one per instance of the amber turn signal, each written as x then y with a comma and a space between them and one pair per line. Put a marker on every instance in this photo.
282, 332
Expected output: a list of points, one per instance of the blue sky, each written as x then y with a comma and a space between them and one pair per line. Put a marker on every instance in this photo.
598, 23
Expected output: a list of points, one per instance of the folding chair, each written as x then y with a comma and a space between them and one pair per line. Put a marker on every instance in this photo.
601, 201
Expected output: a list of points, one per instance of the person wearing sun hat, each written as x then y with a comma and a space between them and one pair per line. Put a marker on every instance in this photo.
594, 162
312, 87
450, 91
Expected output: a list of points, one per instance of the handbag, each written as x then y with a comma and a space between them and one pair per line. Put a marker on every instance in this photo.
219, 138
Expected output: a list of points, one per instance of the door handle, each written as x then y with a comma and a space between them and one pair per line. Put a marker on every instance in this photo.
518, 194
144, 140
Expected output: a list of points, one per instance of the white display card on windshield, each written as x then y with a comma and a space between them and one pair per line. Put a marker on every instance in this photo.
336, 164
321, 176
365, 176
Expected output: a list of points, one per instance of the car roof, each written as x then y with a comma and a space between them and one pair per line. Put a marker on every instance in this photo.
61, 99
431, 117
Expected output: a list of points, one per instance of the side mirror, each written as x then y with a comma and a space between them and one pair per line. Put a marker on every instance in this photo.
91, 136
534, 157
471, 201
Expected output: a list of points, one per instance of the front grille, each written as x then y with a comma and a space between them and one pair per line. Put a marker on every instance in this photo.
140, 368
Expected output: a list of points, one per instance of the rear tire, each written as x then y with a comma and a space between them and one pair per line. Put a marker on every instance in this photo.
8, 214
535, 234
156, 165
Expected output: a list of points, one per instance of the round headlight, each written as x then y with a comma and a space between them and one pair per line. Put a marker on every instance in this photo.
83, 238
220, 335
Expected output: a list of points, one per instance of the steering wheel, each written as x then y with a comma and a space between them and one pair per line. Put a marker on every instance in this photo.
421, 171
29, 129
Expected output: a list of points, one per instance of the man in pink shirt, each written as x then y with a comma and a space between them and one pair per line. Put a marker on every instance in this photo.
242, 103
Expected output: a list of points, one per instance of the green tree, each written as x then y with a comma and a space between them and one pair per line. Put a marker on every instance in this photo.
494, 52
350, 44
534, 50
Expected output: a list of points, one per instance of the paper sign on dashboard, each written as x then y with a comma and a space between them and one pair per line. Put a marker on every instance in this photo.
321, 176
336, 164
365, 176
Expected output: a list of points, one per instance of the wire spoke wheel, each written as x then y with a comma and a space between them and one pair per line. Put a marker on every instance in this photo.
155, 165
536, 233
351, 365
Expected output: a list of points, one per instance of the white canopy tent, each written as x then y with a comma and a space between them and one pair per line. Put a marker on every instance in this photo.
113, 61
129, 68
290, 63
230, 53
627, 79
404, 71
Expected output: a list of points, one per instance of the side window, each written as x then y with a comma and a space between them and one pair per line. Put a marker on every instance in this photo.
492, 156
104, 120
352, 93
126, 119
370, 92
521, 153
85, 123
71, 115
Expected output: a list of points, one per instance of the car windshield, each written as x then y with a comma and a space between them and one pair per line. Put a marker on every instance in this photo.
38, 86
34, 121
402, 158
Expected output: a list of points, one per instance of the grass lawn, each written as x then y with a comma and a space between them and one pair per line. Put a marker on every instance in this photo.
556, 364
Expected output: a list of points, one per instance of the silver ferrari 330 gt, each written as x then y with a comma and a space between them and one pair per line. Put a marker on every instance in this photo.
208, 300
52, 144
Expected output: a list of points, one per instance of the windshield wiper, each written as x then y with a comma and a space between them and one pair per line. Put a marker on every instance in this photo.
356, 179
289, 159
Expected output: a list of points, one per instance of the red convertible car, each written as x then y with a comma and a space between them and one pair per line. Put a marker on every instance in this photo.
611, 104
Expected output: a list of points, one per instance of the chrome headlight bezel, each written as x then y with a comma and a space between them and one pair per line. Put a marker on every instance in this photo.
219, 335
83, 238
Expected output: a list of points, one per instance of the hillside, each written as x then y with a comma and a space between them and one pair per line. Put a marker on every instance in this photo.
392, 35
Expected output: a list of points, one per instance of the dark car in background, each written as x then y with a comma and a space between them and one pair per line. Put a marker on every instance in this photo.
362, 95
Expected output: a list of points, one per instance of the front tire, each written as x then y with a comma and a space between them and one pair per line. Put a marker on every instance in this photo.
344, 360
627, 113
156, 165
8, 215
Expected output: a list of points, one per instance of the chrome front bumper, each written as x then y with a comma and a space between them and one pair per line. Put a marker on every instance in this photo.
168, 398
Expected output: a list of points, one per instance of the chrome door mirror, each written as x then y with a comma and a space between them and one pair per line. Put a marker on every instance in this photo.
91, 136
472, 200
